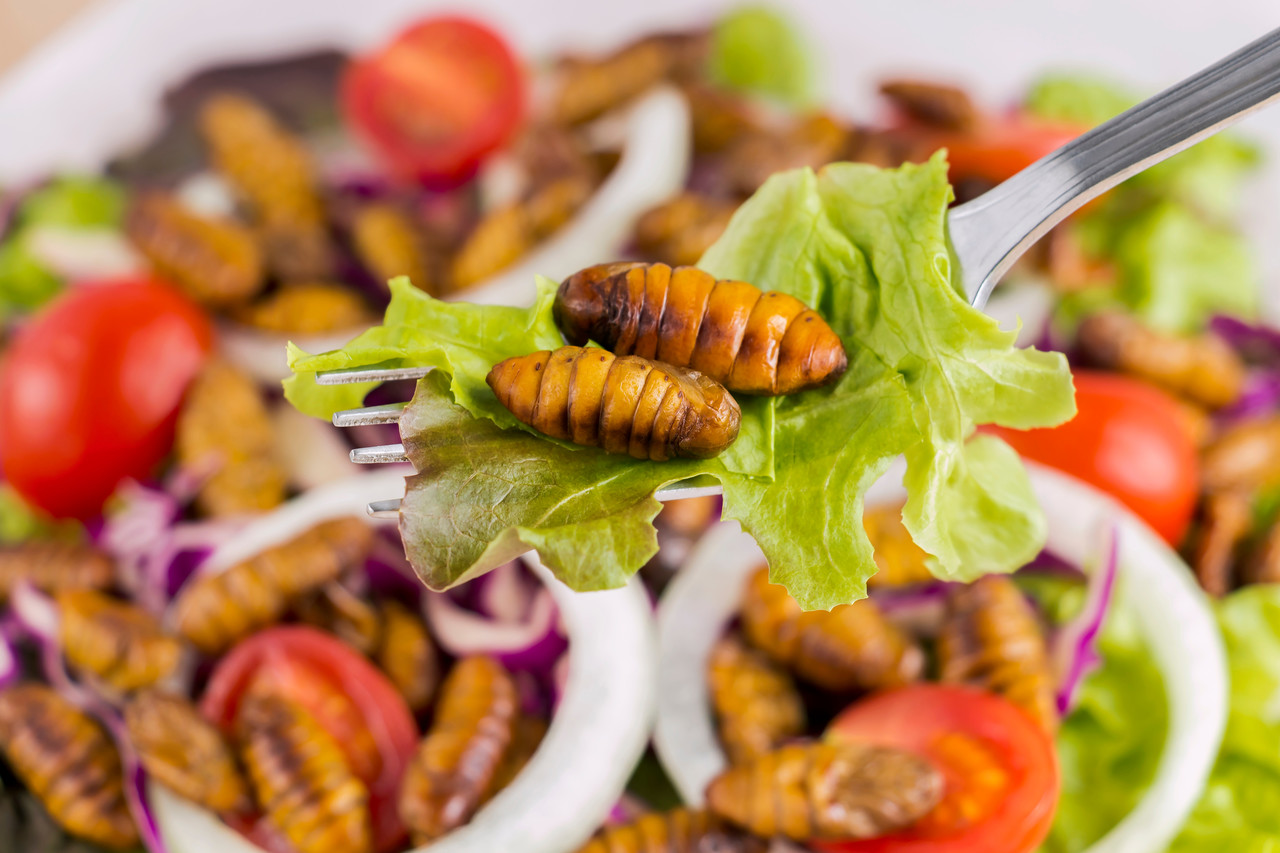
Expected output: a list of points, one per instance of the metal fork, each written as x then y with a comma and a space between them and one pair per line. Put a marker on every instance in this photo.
989, 233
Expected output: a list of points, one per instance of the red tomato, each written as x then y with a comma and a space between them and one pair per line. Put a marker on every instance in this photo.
441, 97
351, 700
999, 765
90, 389
1000, 147
1129, 439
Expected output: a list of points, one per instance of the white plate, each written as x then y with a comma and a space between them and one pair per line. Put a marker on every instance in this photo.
597, 735
1171, 611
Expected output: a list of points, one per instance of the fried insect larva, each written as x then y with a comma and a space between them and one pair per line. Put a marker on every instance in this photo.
753, 342
118, 642
1263, 562
1245, 457
215, 261
679, 231
991, 639
300, 778
588, 88
525, 740
719, 117
307, 308
900, 560
271, 170
622, 405
812, 141
851, 647
341, 612
68, 762
54, 566
688, 516
1201, 368
503, 236
183, 750
677, 831
1226, 519
389, 244
408, 655
932, 104
456, 763
215, 610
828, 791
225, 435
755, 701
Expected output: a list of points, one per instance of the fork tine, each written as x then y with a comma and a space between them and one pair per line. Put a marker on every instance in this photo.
388, 414
378, 454
348, 375
391, 508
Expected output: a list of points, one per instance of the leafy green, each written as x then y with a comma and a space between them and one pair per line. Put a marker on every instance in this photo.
1240, 808
1109, 748
25, 283
1168, 229
866, 247
20, 522
74, 201
756, 49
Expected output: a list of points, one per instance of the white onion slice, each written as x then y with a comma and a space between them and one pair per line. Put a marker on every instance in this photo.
312, 451
1172, 613
598, 732
262, 354
77, 254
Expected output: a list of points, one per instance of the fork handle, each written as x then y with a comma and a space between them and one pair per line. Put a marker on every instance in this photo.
992, 231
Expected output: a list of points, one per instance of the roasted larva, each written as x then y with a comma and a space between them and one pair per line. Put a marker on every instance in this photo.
65, 758
810, 141
457, 762
1201, 368
54, 566
1245, 457
828, 791
934, 104
350, 617
991, 639
215, 610
184, 751
307, 308
621, 404
755, 701
679, 231
850, 647
300, 778
225, 435
390, 244
587, 88
118, 642
408, 655
676, 831
753, 342
899, 559
271, 171
525, 740
215, 261
1225, 521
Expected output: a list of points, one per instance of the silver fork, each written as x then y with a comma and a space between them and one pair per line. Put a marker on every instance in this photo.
989, 233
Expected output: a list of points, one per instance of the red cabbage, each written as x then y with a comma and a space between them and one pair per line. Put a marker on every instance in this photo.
1260, 396
534, 643
1254, 341
1075, 646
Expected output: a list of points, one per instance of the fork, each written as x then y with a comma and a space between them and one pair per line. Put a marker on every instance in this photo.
989, 233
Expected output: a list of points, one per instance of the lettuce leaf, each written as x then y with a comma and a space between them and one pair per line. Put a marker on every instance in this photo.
757, 50
1240, 809
868, 248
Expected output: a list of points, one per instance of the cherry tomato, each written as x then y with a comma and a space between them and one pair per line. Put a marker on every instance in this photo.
349, 698
999, 766
1129, 439
90, 390
437, 100
1002, 146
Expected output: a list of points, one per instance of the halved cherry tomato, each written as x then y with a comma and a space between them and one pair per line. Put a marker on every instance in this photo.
437, 100
1129, 439
349, 698
999, 766
90, 390
1002, 146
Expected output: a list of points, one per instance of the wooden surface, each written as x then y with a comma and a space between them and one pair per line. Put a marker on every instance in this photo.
24, 23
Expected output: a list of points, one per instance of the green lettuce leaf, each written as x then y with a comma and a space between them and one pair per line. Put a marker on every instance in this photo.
1109, 747
21, 522
74, 201
757, 50
866, 247
1240, 809
25, 283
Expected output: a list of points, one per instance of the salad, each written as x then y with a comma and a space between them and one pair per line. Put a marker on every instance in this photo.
317, 697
